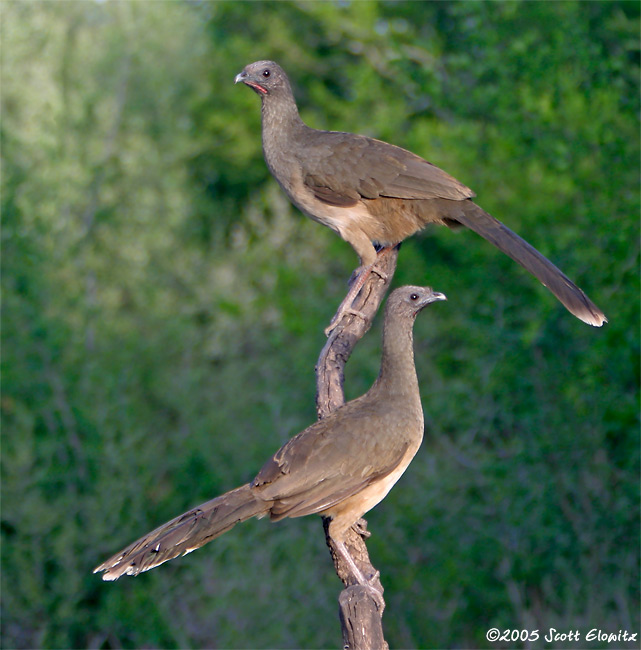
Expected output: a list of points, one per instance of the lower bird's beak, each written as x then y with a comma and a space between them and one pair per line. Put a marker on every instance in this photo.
437, 295
246, 79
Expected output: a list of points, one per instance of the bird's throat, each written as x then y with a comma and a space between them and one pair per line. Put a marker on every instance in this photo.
398, 371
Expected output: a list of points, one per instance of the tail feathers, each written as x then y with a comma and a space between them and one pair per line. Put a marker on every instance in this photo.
185, 533
575, 301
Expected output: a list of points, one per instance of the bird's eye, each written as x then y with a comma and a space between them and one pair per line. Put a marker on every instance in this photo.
266, 73
413, 297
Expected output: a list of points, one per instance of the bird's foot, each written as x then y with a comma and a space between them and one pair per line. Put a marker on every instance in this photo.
346, 311
375, 576
344, 308
375, 594
360, 527
356, 274
360, 577
356, 282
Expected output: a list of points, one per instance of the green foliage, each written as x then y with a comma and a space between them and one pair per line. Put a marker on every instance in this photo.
163, 308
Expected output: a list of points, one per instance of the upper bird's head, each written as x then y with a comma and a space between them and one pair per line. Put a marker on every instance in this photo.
264, 78
408, 301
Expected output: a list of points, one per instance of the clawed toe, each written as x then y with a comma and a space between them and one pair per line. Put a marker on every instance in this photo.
381, 274
360, 527
337, 318
378, 596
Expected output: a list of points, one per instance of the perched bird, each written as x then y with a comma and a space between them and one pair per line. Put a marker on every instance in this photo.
371, 192
339, 467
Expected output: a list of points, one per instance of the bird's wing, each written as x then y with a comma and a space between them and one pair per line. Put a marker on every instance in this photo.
341, 168
328, 462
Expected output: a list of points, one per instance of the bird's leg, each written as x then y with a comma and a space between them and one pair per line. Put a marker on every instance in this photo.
381, 251
344, 553
357, 282
346, 306
341, 549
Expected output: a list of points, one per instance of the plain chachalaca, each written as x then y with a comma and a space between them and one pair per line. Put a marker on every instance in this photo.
370, 192
340, 467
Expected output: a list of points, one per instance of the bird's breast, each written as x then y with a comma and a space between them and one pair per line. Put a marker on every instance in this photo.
346, 513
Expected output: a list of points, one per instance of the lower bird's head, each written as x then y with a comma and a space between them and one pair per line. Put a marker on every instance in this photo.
408, 301
264, 78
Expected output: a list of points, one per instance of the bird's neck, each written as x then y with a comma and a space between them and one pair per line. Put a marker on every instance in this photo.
280, 117
282, 127
398, 372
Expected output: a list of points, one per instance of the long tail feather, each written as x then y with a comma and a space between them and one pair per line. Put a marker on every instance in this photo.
520, 251
185, 533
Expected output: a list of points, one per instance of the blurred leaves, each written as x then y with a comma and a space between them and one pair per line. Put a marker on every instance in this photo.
163, 308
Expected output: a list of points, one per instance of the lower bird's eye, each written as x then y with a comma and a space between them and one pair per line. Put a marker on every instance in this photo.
414, 296
266, 73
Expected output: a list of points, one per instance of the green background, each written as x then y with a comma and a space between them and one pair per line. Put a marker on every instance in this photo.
164, 306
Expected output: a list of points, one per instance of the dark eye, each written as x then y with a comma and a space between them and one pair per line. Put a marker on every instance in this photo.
266, 73
413, 297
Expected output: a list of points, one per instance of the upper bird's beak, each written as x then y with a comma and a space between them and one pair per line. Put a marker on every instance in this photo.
433, 296
247, 80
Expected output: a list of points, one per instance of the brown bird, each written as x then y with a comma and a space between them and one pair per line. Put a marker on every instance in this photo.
371, 192
339, 467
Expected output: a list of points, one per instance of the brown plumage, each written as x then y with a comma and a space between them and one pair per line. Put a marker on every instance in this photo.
370, 192
339, 467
